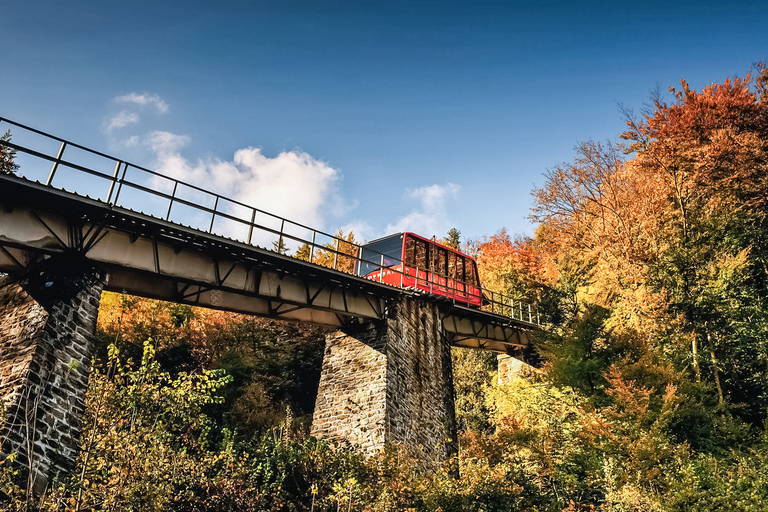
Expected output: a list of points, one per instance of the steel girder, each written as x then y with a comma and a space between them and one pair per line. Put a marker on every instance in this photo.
151, 257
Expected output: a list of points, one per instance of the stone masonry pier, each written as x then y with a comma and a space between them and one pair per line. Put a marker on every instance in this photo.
47, 319
390, 382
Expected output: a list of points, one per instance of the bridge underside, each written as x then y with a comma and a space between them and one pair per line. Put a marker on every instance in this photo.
150, 257
147, 257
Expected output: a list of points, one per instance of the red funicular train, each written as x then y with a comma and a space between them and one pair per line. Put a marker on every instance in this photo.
408, 260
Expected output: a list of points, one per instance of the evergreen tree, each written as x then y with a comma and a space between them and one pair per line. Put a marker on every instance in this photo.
454, 238
7, 155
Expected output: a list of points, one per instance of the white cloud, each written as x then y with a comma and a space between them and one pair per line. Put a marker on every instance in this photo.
363, 231
291, 184
131, 141
430, 217
143, 100
124, 118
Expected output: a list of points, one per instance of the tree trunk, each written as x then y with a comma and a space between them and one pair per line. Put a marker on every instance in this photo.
715, 371
695, 353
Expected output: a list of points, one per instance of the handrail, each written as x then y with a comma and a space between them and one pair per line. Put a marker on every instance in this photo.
492, 302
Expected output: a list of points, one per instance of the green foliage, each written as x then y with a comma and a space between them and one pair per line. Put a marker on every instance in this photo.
453, 239
273, 364
473, 374
279, 246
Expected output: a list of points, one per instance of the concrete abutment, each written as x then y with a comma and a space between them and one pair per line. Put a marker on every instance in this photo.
47, 320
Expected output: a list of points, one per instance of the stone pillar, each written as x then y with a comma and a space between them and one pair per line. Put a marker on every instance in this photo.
47, 320
511, 368
390, 382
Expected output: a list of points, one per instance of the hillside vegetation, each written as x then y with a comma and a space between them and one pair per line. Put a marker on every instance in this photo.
649, 268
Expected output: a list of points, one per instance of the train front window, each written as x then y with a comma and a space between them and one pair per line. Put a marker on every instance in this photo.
386, 251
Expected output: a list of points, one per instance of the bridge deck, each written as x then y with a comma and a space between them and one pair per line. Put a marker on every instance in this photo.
158, 258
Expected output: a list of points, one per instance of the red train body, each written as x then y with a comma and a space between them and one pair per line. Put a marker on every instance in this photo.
410, 261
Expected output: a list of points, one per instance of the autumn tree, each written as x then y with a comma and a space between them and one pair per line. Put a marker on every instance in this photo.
339, 253
709, 151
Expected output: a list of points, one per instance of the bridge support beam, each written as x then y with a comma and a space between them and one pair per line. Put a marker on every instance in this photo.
390, 382
47, 320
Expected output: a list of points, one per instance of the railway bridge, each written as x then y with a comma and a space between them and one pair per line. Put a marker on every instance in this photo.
75, 222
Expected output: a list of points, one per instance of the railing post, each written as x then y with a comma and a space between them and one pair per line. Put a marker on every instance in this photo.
112, 183
280, 240
55, 164
173, 196
530, 318
250, 228
312, 249
213, 215
336, 256
120, 183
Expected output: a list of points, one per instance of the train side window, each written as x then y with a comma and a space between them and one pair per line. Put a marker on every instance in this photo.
421, 253
460, 268
410, 248
442, 256
451, 265
470, 271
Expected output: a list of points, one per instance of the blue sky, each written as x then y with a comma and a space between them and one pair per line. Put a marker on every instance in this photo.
375, 116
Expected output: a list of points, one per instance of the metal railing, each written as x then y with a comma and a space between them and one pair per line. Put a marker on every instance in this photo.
137, 188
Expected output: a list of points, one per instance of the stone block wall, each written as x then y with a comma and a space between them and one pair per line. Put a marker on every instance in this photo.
390, 382
351, 399
47, 320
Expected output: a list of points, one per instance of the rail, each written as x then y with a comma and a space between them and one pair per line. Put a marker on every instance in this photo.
132, 186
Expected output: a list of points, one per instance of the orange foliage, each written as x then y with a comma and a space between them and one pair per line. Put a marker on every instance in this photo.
605, 218
512, 266
339, 255
708, 146
128, 319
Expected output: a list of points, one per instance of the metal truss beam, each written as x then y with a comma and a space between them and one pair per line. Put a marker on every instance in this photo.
155, 258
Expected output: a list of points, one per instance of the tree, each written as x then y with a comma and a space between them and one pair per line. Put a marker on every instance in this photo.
710, 151
279, 246
339, 254
7, 155
303, 252
453, 239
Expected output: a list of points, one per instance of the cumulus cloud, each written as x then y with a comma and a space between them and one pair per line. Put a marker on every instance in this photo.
430, 216
124, 118
292, 184
143, 100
